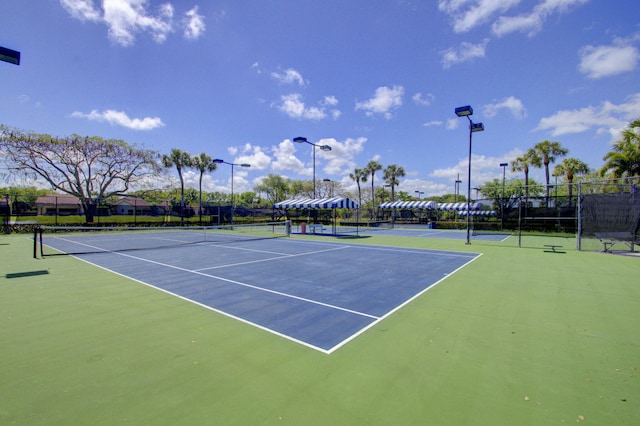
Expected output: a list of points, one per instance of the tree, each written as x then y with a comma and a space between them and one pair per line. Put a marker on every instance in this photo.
548, 151
391, 175
624, 159
203, 163
569, 168
521, 164
274, 187
372, 167
359, 175
181, 160
89, 168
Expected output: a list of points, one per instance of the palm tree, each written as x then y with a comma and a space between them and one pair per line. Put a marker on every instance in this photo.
203, 163
372, 167
180, 159
569, 168
521, 164
548, 151
359, 175
624, 159
391, 175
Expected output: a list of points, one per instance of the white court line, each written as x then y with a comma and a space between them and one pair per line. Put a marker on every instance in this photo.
376, 319
284, 256
254, 287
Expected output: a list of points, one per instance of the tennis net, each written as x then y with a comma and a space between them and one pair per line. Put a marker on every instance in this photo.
57, 240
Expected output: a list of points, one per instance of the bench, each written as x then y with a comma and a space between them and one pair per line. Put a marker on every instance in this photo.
552, 248
609, 239
315, 227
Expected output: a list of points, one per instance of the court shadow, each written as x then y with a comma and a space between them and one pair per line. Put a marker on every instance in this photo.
27, 274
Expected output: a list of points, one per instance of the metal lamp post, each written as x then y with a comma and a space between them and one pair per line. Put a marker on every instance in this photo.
300, 139
219, 161
419, 193
504, 171
467, 111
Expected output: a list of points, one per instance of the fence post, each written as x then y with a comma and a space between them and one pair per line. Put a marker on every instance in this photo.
579, 214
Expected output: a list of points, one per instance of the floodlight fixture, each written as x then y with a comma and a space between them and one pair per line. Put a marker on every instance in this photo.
325, 148
9, 55
220, 161
464, 111
467, 111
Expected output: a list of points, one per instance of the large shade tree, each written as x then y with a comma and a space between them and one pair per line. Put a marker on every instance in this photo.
88, 167
274, 187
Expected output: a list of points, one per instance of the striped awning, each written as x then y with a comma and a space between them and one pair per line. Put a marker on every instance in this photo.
480, 213
409, 205
317, 203
459, 206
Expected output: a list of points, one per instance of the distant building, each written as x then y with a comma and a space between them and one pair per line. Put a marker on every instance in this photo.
130, 206
58, 204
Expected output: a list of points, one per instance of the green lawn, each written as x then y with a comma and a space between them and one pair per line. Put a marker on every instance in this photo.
519, 336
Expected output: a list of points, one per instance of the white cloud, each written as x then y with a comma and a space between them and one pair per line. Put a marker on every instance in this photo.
533, 21
194, 25
464, 53
421, 99
468, 14
432, 123
82, 10
294, 107
383, 102
254, 156
289, 76
606, 118
341, 158
285, 158
120, 118
511, 103
602, 61
126, 18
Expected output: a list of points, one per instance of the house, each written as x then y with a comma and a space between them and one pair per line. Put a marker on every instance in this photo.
58, 204
130, 206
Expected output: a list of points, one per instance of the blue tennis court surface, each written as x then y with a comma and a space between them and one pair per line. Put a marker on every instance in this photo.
319, 294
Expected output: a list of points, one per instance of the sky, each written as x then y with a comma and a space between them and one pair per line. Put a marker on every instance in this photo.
373, 79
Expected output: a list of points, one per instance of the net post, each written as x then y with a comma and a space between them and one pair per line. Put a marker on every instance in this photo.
35, 242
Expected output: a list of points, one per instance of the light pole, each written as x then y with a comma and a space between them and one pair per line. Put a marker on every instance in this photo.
467, 111
219, 161
300, 139
419, 194
504, 171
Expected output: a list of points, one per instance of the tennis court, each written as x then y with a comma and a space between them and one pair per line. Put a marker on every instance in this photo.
321, 294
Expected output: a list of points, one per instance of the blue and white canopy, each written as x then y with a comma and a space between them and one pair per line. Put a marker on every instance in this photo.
317, 203
409, 205
459, 206
480, 213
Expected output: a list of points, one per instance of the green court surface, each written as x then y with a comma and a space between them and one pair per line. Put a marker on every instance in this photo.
523, 336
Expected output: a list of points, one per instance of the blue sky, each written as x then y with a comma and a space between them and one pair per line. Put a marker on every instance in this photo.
374, 79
